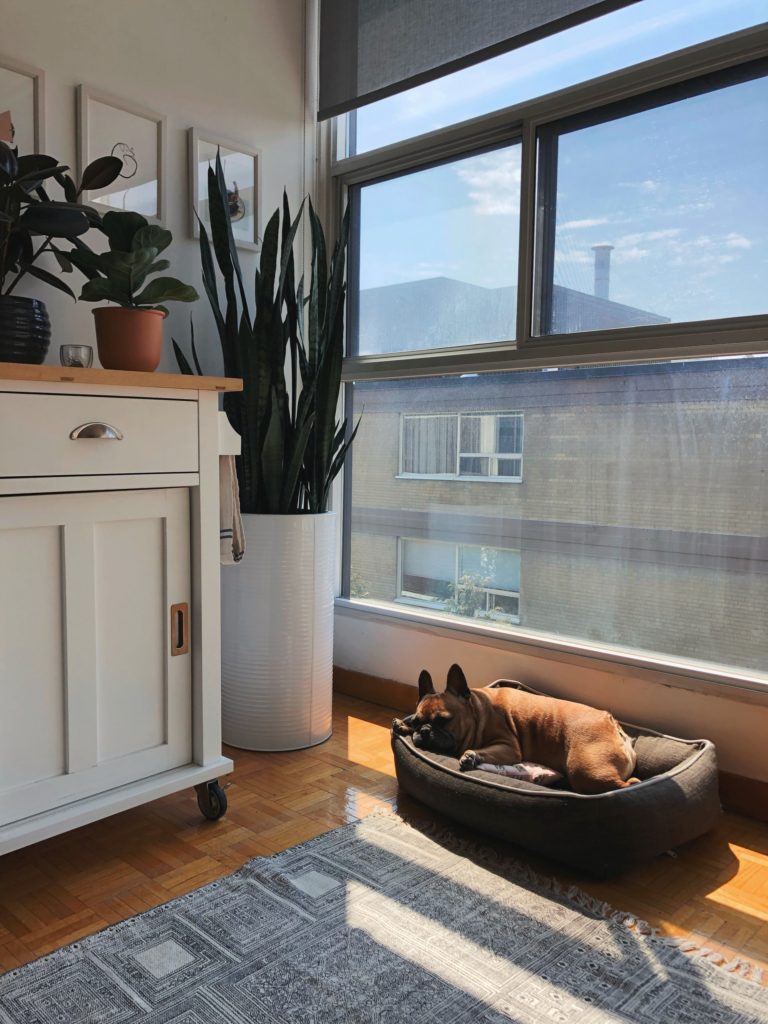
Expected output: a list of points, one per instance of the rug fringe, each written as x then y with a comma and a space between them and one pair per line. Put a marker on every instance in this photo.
578, 898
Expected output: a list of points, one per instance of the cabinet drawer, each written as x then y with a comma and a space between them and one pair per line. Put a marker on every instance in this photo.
153, 435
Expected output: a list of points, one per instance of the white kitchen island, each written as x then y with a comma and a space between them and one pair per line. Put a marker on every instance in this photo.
109, 594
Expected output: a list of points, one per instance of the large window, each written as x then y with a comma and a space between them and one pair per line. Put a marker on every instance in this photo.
467, 446
592, 269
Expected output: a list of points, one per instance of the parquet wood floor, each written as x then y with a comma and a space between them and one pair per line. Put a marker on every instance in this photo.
55, 892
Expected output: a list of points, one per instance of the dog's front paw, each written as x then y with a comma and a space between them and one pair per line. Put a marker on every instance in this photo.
401, 728
468, 760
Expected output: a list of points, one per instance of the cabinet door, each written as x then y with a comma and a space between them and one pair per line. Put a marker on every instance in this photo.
95, 682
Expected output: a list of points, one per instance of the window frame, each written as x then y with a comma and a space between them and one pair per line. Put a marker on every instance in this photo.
458, 475
524, 123
412, 600
734, 336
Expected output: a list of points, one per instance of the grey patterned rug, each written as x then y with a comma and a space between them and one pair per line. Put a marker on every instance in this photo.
377, 923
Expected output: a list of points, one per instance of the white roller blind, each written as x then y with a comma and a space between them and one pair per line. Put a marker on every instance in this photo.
370, 49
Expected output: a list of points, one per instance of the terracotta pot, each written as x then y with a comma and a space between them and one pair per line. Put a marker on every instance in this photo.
129, 339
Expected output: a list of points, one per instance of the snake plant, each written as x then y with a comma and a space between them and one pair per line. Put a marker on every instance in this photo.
288, 353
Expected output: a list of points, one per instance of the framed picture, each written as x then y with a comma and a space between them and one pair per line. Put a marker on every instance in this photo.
108, 126
22, 106
242, 177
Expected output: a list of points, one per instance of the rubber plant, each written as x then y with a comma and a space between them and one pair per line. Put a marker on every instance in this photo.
288, 353
27, 212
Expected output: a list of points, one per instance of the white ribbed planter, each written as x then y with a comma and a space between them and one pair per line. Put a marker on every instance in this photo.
277, 634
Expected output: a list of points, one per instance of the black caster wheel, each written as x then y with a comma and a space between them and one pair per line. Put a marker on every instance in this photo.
212, 800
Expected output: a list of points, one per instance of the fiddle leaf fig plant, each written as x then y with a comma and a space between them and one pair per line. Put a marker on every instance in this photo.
27, 212
120, 274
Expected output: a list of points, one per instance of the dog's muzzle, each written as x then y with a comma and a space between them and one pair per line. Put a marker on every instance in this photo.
432, 737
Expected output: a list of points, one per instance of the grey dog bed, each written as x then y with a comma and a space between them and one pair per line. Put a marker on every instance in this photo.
602, 835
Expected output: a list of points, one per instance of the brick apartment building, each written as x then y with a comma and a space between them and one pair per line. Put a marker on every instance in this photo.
620, 505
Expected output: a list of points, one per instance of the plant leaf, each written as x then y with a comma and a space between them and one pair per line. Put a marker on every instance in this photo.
99, 289
181, 359
152, 237
55, 221
120, 226
100, 173
51, 279
166, 289
8, 162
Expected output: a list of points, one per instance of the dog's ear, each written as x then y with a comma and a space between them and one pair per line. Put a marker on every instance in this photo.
425, 684
457, 682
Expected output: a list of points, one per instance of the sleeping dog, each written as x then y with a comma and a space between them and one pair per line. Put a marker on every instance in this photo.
506, 726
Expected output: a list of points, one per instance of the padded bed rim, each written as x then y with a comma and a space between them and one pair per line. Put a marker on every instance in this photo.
545, 791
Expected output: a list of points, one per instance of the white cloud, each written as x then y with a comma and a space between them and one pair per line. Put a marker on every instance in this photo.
631, 240
494, 182
736, 241
587, 222
647, 186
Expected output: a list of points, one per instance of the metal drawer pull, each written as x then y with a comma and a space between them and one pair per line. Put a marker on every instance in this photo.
96, 430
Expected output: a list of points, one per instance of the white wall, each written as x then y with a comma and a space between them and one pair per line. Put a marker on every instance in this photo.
231, 66
392, 650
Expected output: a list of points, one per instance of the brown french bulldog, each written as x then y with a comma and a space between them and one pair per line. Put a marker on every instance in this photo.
506, 726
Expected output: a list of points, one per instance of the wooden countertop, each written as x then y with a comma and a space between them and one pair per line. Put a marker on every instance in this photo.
120, 378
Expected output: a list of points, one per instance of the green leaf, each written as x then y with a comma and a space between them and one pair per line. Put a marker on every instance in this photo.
100, 173
159, 265
55, 221
120, 226
65, 263
152, 237
8, 163
181, 359
69, 187
100, 289
51, 279
166, 289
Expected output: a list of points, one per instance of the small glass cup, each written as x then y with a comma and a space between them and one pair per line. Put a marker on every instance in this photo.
76, 355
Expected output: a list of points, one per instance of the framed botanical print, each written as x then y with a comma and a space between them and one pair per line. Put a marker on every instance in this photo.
22, 106
110, 126
242, 169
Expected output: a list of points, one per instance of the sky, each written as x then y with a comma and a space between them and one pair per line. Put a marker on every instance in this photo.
679, 192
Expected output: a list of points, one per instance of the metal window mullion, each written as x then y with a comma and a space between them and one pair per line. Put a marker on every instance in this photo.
526, 239
346, 503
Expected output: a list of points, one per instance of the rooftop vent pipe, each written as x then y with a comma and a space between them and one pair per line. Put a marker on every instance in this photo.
602, 269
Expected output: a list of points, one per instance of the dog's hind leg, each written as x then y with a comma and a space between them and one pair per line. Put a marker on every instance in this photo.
597, 770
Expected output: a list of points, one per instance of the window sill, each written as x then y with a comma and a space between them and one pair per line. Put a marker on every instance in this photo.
699, 677
460, 479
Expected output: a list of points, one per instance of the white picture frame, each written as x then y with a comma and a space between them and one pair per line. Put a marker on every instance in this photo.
243, 164
22, 89
108, 125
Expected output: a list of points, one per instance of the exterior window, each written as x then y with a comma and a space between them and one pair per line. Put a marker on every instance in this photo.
429, 446
654, 211
461, 579
467, 446
437, 256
